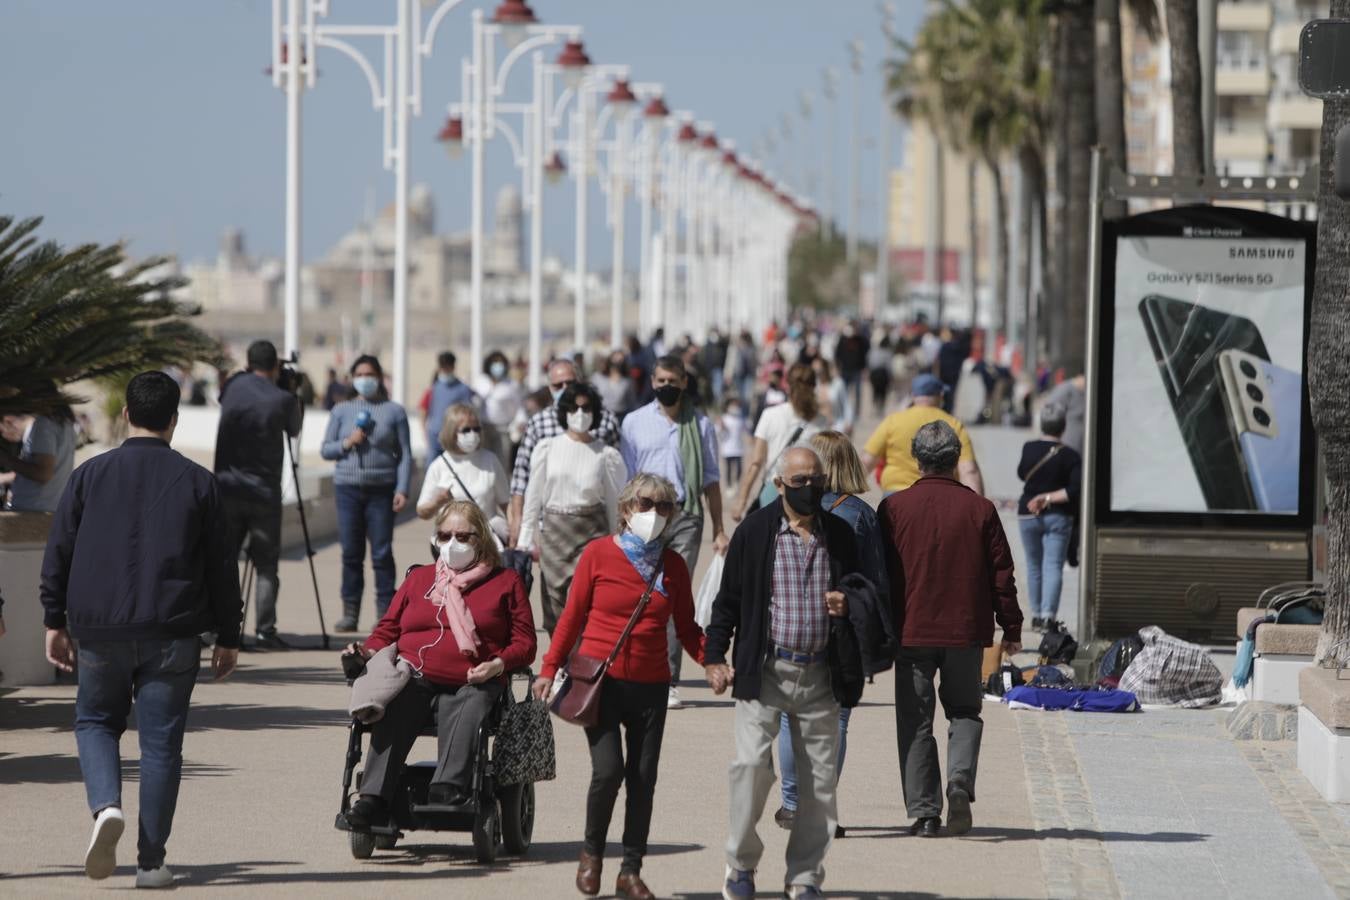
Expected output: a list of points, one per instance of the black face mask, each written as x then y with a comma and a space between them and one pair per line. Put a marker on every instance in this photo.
804, 500
669, 394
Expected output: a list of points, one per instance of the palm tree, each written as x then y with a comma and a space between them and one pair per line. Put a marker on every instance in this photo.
84, 314
1329, 375
1188, 129
1111, 79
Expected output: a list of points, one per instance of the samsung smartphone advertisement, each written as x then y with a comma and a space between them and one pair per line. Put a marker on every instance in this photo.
1204, 330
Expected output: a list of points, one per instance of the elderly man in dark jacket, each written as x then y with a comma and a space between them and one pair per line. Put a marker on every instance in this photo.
951, 577
781, 601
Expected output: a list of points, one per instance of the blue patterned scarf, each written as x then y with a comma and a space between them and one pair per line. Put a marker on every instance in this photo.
644, 555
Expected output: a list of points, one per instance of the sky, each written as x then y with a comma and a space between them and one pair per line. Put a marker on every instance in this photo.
152, 121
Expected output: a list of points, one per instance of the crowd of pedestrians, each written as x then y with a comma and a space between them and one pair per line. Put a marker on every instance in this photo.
614, 481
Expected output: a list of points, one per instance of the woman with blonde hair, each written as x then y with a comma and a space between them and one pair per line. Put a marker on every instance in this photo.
462, 624
466, 470
844, 481
611, 577
780, 427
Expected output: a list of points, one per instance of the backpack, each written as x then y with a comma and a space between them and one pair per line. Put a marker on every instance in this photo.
1057, 645
1005, 678
1119, 656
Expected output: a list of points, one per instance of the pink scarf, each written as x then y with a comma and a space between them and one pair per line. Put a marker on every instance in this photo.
448, 594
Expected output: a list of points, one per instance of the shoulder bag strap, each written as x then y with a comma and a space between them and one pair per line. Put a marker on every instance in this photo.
792, 440
837, 503
637, 611
1044, 459
467, 495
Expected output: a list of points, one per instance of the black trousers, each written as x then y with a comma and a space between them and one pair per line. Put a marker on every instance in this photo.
962, 697
639, 709
459, 711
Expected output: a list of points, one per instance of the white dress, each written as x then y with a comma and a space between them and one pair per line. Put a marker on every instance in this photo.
568, 475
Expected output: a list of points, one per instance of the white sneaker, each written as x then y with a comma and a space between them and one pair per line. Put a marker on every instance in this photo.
154, 878
673, 700
101, 858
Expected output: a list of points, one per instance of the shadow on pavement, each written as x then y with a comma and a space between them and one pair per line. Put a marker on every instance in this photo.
254, 717
45, 712
299, 675
63, 769
999, 835
568, 851
840, 893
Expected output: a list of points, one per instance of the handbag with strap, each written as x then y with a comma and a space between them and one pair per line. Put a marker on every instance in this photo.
1044, 459
577, 699
460, 481
767, 492
523, 750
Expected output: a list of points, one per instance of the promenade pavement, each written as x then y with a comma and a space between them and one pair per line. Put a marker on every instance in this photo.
1157, 804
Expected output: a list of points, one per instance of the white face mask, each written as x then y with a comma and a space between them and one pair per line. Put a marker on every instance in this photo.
579, 420
468, 440
457, 554
647, 525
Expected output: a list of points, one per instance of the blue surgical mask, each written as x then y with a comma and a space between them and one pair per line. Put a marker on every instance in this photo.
497, 370
443, 378
557, 394
367, 386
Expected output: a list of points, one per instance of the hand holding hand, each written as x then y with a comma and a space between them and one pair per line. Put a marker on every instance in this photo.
719, 677
223, 661
60, 651
836, 603
486, 671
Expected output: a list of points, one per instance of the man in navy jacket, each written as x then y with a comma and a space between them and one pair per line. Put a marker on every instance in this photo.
136, 568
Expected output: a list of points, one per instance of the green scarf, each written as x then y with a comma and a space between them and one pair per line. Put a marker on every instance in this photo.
691, 458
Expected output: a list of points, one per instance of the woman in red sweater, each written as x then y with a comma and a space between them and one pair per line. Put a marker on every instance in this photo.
610, 578
461, 624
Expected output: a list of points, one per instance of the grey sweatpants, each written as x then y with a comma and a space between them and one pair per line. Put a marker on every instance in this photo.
915, 701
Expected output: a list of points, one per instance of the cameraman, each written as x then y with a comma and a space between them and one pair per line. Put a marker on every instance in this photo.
257, 411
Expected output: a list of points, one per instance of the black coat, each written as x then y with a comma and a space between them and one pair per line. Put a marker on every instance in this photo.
873, 624
741, 609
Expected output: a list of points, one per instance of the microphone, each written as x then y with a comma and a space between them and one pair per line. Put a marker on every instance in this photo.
365, 421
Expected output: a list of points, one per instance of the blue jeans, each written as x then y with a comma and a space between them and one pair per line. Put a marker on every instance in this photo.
158, 676
787, 761
1046, 541
366, 513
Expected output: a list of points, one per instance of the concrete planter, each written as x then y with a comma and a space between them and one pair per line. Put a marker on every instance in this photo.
1324, 731
23, 658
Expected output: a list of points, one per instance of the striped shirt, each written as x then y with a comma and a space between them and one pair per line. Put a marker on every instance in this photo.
798, 619
543, 425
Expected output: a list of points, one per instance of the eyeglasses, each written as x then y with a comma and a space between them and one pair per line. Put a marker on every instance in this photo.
563, 385
798, 481
663, 507
472, 429
463, 537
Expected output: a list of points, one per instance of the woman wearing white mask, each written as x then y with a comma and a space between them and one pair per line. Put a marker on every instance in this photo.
503, 406
368, 437
465, 470
611, 577
461, 624
573, 495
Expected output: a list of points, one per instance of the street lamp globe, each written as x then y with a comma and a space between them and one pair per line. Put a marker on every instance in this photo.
515, 18
707, 145
688, 136
574, 62
555, 168
452, 136
621, 98
656, 109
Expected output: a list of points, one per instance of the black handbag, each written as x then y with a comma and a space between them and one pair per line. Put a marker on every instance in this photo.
523, 751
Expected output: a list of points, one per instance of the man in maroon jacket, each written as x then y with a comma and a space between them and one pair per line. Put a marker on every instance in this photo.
951, 578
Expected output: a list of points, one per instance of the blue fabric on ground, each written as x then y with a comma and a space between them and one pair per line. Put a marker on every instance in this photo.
1076, 701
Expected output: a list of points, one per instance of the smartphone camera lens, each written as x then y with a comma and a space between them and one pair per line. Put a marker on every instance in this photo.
1262, 417
1247, 369
1255, 393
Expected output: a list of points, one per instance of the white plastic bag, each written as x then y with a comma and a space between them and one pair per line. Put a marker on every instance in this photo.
707, 591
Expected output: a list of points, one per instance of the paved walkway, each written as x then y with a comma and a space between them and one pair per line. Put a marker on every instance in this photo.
1158, 804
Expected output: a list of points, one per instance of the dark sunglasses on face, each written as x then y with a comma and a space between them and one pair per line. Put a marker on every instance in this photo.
564, 385
472, 429
663, 507
798, 481
463, 537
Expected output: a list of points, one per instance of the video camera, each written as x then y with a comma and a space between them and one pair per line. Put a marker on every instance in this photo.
290, 377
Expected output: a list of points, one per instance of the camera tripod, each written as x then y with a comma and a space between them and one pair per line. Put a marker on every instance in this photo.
309, 546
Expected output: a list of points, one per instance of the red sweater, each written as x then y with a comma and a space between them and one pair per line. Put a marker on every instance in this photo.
501, 614
605, 591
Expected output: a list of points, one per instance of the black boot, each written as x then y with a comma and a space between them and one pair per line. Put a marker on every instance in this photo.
351, 611
368, 810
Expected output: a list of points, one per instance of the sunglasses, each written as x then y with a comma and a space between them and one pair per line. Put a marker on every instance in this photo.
564, 385
472, 429
798, 481
663, 507
463, 537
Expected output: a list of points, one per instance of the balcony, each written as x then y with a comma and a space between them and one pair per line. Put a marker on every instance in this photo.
1284, 37
1242, 77
1244, 16
1294, 109
1243, 142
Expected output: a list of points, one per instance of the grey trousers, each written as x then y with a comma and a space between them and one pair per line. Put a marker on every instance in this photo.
804, 693
260, 522
962, 695
685, 537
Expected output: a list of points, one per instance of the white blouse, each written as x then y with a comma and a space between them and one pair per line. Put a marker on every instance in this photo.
566, 475
483, 475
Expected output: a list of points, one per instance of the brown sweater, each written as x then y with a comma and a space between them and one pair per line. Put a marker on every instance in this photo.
950, 566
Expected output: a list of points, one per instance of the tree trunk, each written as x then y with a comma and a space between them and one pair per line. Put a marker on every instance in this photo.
940, 198
999, 274
1110, 93
1077, 220
1188, 127
1329, 376
1056, 261
1033, 248
973, 239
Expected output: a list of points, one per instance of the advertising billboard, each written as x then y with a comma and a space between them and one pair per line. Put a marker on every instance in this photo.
1202, 389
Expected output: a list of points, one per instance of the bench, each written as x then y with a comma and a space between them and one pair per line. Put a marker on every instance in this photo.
1282, 651
1324, 731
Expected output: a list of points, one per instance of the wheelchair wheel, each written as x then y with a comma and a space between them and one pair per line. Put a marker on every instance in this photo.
517, 804
487, 832
385, 841
363, 844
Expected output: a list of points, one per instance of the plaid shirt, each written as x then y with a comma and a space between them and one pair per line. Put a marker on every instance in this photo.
544, 424
798, 619
1173, 672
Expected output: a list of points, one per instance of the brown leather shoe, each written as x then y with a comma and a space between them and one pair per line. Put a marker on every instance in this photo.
631, 887
588, 874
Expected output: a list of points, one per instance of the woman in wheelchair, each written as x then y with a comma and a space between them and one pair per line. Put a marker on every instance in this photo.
461, 624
